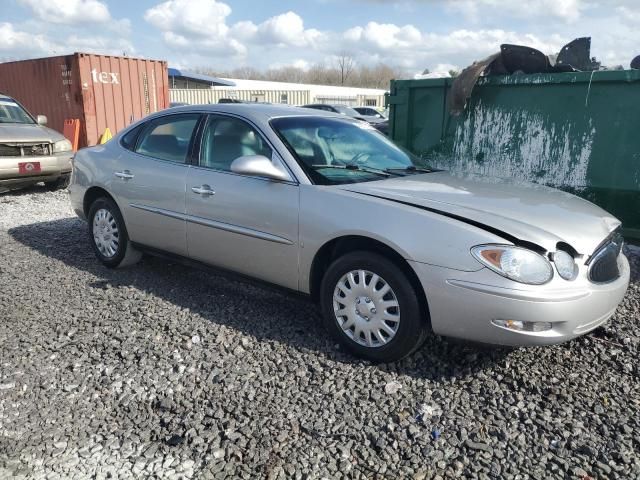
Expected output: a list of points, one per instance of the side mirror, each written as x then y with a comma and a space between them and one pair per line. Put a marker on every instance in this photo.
258, 166
41, 119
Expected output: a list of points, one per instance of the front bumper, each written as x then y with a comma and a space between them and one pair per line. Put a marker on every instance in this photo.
464, 304
51, 167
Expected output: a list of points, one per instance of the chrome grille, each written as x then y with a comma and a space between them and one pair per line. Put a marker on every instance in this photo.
10, 151
603, 264
25, 149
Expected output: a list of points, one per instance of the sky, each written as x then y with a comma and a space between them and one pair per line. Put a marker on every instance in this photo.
222, 35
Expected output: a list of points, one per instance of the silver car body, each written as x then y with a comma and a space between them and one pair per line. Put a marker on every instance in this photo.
18, 142
274, 230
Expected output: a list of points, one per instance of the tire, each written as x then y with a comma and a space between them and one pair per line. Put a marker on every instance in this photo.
406, 325
59, 183
119, 252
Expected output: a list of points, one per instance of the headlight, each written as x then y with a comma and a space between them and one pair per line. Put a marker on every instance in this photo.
566, 265
62, 146
515, 263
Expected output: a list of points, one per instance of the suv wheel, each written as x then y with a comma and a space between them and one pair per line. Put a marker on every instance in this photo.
108, 235
370, 306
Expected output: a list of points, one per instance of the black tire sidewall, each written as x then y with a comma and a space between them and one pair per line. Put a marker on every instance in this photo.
412, 330
108, 204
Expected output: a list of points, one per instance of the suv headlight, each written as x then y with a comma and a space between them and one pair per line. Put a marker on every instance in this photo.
515, 263
62, 146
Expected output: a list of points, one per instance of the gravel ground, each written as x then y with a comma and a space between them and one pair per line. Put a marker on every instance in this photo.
168, 372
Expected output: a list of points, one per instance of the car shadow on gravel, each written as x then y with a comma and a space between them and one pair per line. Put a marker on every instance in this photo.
24, 191
256, 311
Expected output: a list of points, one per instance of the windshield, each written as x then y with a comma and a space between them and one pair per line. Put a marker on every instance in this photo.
11, 112
344, 110
335, 151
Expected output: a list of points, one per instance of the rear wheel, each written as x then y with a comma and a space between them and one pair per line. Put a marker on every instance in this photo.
371, 307
108, 235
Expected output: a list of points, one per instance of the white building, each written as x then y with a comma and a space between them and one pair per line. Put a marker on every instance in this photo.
271, 92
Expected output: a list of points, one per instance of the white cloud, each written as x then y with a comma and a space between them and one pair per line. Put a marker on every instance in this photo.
408, 46
566, 10
197, 25
69, 11
244, 30
15, 43
99, 44
201, 25
385, 36
200, 33
205, 18
286, 29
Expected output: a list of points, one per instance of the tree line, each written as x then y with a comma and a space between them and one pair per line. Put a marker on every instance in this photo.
343, 72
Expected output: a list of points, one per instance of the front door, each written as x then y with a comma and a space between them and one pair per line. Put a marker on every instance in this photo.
241, 223
149, 182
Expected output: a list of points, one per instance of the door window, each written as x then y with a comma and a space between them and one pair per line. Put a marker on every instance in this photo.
225, 139
168, 138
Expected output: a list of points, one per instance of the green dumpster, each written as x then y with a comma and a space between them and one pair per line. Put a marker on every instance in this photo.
579, 132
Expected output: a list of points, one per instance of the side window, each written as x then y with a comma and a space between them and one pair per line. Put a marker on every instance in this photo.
225, 139
167, 138
129, 139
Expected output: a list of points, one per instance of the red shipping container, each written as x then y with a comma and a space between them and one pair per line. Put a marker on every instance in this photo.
101, 91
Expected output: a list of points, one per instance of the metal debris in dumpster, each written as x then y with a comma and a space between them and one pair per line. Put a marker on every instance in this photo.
577, 131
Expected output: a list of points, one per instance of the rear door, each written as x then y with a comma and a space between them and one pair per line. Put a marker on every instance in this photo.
149, 181
241, 223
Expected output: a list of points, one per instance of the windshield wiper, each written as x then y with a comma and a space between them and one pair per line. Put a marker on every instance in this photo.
410, 168
357, 168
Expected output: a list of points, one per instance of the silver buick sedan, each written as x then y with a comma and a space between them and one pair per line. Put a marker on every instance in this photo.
390, 248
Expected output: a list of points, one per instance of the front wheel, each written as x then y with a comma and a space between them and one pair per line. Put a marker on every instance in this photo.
371, 307
108, 235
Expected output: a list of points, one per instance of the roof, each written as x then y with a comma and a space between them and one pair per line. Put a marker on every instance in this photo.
174, 72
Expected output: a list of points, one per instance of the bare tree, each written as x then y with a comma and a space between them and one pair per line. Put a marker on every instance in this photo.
247, 73
342, 73
346, 65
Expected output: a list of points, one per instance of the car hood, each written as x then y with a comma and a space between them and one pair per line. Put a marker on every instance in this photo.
528, 212
20, 133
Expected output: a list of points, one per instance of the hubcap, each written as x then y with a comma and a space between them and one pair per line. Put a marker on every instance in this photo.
106, 233
366, 308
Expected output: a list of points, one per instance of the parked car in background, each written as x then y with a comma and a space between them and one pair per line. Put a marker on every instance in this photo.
370, 112
29, 151
382, 127
336, 108
318, 203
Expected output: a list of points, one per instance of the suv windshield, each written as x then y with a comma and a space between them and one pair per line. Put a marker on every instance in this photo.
11, 112
335, 151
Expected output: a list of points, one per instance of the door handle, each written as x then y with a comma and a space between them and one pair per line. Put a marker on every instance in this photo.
125, 175
204, 190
